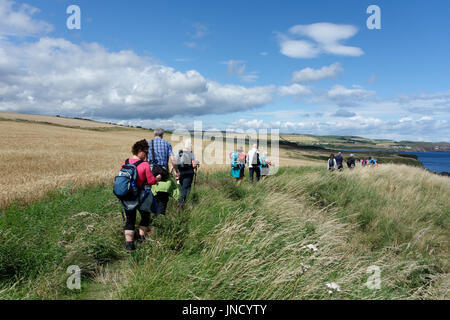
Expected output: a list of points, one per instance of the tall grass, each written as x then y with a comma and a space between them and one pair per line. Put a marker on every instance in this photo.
39, 242
243, 242
249, 242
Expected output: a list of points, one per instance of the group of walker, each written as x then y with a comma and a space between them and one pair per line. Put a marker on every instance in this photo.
257, 165
336, 163
145, 183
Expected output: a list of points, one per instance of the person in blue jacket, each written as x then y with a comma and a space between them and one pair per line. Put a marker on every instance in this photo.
238, 159
339, 160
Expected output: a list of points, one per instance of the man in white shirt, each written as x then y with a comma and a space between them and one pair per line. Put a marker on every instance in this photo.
254, 163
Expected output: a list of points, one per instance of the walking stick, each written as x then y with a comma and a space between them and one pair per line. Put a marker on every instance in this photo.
195, 172
195, 176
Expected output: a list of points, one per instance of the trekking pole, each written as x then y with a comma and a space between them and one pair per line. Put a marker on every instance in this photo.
195, 176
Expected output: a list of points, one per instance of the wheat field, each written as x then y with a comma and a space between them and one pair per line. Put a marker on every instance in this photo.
42, 157
55, 120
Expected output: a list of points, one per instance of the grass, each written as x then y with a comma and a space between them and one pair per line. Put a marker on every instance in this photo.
41, 240
241, 242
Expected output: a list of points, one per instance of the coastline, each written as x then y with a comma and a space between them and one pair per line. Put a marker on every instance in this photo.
429, 163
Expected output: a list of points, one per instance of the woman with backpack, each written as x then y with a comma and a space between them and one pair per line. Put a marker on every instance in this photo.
363, 162
144, 199
331, 164
238, 160
351, 162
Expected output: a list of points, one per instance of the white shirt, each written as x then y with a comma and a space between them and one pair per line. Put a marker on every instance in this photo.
252, 158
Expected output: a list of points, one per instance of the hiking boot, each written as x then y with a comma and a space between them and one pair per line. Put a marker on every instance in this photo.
141, 239
129, 246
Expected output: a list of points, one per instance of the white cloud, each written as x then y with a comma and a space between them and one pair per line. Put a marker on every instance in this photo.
17, 20
309, 74
349, 97
299, 49
87, 80
326, 38
419, 129
293, 90
344, 114
249, 77
426, 103
339, 91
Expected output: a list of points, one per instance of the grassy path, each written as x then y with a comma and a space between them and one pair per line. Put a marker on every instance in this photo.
247, 242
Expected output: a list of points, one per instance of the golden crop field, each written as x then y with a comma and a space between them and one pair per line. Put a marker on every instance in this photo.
55, 120
42, 157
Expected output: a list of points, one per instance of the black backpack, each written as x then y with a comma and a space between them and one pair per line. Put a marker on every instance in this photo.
331, 163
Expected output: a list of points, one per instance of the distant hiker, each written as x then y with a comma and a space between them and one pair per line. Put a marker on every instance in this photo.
351, 163
238, 160
160, 152
373, 162
131, 188
339, 160
265, 165
254, 163
186, 164
363, 162
331, 164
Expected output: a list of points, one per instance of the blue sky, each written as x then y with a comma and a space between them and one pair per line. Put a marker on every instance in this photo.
298, 66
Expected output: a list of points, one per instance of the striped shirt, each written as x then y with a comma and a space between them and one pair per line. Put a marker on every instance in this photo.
163, 150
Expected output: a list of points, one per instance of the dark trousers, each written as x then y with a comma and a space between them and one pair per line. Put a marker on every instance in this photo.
185, 183
131, 219
254, 170
162, 198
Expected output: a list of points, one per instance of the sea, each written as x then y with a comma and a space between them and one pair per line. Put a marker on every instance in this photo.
434, 161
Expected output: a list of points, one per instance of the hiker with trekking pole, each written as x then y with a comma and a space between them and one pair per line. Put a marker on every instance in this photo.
187, 166
132, 187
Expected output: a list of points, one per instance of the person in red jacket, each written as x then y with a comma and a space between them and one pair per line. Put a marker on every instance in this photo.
144, 178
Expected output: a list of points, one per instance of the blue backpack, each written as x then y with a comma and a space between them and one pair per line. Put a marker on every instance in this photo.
234, 160
125, 183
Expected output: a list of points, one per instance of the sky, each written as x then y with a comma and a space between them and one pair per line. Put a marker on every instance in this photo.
309, 67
